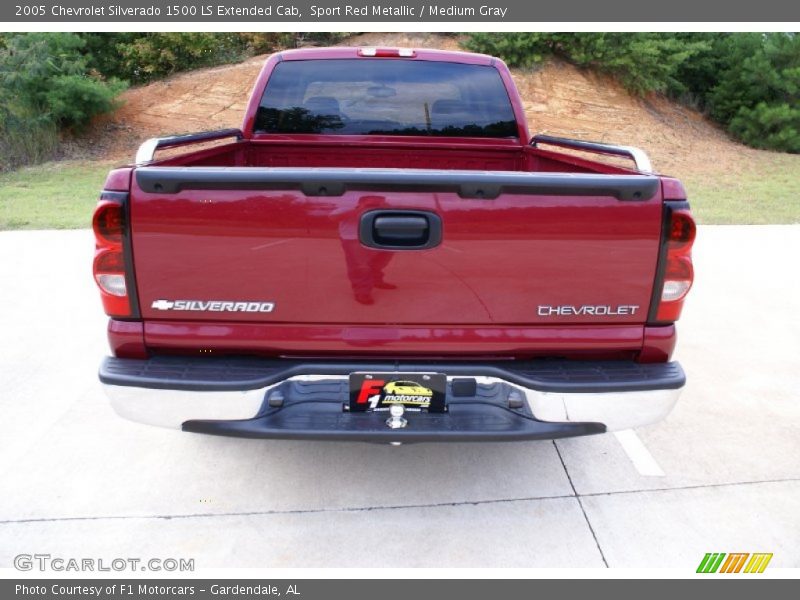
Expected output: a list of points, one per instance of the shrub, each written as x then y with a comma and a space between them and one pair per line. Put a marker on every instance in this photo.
748, 82
103, 55
516, 49
143, 57
45, 75
26, 141
264, 42
769, 126
757, 94
643, 62
155, 55
45, 86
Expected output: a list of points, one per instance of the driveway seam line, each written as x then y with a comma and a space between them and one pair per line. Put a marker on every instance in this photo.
390, 507
691, 487
580, 504
355, 509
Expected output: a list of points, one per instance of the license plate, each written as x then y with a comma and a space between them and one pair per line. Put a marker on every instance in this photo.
423, 392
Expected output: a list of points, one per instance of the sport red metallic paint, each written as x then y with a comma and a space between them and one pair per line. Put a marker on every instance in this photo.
420, 242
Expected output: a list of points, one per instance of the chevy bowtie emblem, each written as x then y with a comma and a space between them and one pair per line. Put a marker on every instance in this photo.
162, 305
214, 306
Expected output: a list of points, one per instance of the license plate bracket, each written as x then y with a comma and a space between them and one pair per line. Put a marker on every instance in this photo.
416, 392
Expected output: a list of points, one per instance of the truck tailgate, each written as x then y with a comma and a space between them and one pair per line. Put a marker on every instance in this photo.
288, 245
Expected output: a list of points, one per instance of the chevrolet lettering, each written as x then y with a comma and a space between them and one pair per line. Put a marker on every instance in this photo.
595, 310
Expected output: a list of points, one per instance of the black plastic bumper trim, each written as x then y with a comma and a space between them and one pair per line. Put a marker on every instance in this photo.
238, 374
315, 410
371, 428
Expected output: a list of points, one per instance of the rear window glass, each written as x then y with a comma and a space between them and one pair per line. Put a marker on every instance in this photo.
386, 97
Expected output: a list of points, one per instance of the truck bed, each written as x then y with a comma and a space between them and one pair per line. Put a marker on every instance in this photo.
479, 155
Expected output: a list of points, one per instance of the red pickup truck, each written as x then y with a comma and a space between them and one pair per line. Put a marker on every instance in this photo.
383, 253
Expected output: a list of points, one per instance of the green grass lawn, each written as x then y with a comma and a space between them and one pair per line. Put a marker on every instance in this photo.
62, 195
58, 195
767, 192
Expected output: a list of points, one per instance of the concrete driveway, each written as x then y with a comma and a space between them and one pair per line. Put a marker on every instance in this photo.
81, 482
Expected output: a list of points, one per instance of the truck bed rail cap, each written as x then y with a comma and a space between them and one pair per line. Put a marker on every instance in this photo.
336, 181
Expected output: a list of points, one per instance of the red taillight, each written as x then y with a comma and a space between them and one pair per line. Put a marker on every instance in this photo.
109, 268
109, 261
109, 274
676, 265
108, 222
681, 228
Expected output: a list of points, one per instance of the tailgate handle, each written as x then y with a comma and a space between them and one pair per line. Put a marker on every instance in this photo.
401, 230
405, 231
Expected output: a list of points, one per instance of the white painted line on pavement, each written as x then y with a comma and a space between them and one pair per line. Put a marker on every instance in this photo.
638, 453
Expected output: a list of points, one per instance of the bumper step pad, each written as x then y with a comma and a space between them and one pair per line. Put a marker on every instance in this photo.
237, 374
316, 410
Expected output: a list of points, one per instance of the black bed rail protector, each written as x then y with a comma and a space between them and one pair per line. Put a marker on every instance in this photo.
147, 150
637, 155
224, 374
336, 181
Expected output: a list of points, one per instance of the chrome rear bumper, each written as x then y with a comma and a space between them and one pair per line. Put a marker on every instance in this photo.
218, 396
172, 408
